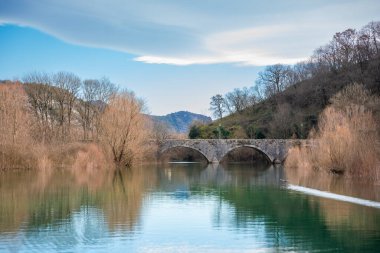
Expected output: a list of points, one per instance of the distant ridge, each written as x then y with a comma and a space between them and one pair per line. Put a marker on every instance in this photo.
181, 121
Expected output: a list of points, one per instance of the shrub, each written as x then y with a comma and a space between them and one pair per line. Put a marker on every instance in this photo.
348, 140
194, 132
123, 130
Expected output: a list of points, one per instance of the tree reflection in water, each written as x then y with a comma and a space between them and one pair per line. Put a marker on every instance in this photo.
48, 197
88, 206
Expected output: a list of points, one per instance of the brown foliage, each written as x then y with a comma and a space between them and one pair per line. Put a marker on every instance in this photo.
281, 124
41, 124
15, 121
123, 128
14, 115
348, 138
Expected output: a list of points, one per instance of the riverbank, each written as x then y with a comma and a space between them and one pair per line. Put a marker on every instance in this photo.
347, 141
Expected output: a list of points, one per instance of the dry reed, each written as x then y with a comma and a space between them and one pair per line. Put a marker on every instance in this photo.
348, 139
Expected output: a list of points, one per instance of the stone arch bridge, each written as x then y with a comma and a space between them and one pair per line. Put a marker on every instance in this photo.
215, 149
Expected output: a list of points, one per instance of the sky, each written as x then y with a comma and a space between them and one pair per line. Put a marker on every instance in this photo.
175, 54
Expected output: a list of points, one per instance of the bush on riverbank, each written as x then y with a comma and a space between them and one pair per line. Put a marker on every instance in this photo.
347, 141
15, 125
123, 128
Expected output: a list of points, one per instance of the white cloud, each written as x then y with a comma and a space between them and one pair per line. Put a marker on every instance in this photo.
237, 46
226, 57
176, 32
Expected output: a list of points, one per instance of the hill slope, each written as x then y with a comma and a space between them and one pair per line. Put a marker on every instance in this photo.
287, 99
295, 111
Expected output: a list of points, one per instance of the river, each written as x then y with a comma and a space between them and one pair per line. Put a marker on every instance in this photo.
184, 208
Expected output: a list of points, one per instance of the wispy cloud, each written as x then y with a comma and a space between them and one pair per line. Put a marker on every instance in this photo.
250, 46
194, 32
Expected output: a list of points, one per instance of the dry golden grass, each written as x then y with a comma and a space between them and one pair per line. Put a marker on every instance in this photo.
348, 139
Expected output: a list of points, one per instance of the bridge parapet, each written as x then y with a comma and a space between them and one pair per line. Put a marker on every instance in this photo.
215, 149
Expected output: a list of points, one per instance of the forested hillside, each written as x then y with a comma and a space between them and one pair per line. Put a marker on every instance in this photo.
286, 101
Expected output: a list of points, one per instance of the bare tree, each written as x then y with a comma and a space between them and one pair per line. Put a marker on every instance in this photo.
253, 96
299, 72
367, 44
106, 90
363, 49
217, 106
86, 105
161, 131
281, 125
326, 59
344, 44
239, 99
95, 95
274, 79
40, 96
123, 127
373, 29
348, 48
67, 86
59, 80
258, 92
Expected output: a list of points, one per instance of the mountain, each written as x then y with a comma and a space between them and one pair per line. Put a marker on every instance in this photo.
181, 121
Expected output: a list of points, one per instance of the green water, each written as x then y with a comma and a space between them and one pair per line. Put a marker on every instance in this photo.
182, 208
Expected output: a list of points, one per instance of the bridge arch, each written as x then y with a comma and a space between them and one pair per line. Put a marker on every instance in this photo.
214, 150
166, 149
268, 157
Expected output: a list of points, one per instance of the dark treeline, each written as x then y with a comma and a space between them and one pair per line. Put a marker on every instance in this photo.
286, 100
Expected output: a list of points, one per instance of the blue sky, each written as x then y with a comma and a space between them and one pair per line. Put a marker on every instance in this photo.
174, 53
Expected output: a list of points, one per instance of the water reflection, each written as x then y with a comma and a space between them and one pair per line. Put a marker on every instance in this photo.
343, 220
334, 183
30, 199
180, 207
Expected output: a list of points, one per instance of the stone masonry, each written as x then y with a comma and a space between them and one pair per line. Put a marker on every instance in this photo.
215, 149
